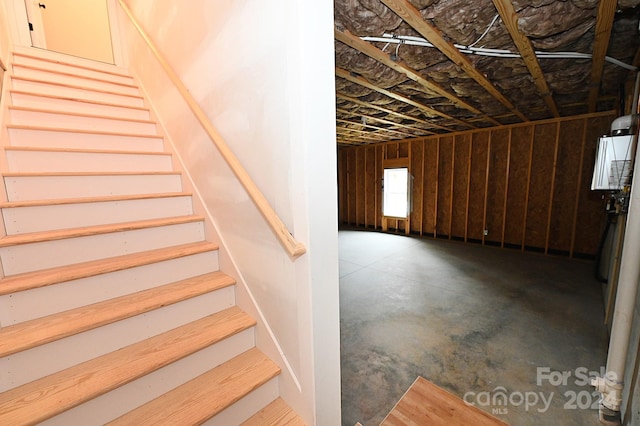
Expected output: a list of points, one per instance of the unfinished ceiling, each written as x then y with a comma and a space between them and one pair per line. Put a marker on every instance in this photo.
415, 68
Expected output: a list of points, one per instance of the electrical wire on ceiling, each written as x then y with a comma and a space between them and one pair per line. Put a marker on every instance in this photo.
497, 53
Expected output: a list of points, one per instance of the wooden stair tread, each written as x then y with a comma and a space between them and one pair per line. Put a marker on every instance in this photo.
427, 404
86, 77
115, 71
60, 234
68, 98
85, 200
207, 395
87, 131
78, 114
277, 413
28, 334
85, 150
76, 86
45, 277
44, 398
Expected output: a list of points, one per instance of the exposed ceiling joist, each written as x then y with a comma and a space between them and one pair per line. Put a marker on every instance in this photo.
373, 52
380, 129
387, 110
604, 23
365, 83
412, 16
381, 120
510, 19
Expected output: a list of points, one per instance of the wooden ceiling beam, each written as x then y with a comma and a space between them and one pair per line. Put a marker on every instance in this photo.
365, 83
604, 23
382, 120
373, 52
379, 108
412, 16
375, 127
510, 18
361, 134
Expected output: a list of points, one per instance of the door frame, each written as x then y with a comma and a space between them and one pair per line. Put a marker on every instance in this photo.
18, 17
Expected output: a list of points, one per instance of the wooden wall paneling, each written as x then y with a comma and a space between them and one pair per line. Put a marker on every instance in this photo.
351, 186
553, 186
591, 220
370, 189
437, 190
466, 210
430, 186
460, 186
416, 196
520, 157
527, 191
497, 185
365, 178
340, 182
486, 190
359, 174
506, 188
539, 190
404, 149
378, 186
445, 175
477, 185
423, 183
576, 204
566, 184
451, 183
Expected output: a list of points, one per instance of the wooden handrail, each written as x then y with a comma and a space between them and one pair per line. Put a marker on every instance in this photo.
293, 247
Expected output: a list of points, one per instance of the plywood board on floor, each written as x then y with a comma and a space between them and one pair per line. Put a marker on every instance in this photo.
427, 404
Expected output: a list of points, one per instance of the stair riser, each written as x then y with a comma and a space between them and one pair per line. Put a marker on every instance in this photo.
20, 220
43, 301
28, 188
74, 140
21, 61
22, 117
73, 80
52, 161
29, 365
35, 256
50, 58
75, 93
68, 105
247, 406
118, 402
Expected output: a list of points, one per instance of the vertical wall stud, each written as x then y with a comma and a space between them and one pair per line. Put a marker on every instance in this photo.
575, 210
424, 148
486, 189
435, 209
552, 189
451, 185
466, 215
366, 205
526, 197
357, 151
506, 189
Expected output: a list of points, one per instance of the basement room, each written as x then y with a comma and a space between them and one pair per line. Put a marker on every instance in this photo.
488, 242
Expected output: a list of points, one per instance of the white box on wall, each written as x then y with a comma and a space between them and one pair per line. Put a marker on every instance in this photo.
613, 163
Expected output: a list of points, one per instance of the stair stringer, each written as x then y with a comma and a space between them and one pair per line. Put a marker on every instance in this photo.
265, 339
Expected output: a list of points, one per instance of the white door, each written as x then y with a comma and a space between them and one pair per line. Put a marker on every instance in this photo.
76, 27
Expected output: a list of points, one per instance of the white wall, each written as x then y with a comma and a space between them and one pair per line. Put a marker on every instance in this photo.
4, 37
263, 72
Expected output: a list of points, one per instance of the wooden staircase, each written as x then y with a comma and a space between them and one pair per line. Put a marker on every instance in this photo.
112, 307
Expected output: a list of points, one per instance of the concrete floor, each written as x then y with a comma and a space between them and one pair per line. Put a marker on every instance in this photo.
517, 333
